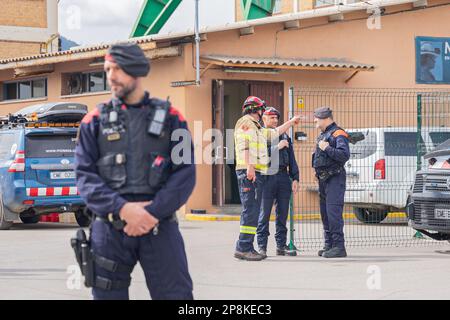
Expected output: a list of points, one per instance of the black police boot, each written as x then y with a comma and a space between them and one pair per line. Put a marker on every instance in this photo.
286, 251
335, 252
263, 252
326, 248
248, 256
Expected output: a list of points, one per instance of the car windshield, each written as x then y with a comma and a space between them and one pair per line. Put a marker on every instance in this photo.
50, 146
439, 137
364, 148
443, 146
402, 144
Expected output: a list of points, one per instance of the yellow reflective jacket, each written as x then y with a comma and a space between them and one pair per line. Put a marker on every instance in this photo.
250, 135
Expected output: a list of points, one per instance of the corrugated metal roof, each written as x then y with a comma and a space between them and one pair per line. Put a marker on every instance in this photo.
72, 51
292, 62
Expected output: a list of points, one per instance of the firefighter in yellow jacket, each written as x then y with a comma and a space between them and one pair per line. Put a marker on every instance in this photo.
252, 164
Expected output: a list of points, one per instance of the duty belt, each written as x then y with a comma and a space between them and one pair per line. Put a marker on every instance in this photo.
324, 175
283, 170
119, 224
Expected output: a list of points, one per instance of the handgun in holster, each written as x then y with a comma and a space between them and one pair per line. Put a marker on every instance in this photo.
82, 248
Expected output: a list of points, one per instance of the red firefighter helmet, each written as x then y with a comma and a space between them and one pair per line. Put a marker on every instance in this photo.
271, 111
253, 104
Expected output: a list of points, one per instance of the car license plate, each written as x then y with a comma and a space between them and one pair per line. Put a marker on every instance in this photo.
442, 213
57, 175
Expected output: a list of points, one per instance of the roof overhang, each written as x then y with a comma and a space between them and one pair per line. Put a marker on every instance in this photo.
151, 50
285, 64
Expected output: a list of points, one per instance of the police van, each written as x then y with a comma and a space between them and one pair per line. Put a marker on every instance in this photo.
37, 177
429, 211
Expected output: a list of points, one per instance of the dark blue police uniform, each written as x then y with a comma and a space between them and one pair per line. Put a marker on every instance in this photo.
329, 167
278, 189
105, 189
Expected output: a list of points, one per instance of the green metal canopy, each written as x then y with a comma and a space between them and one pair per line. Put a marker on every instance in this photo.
153, 16
155, 13
255, 9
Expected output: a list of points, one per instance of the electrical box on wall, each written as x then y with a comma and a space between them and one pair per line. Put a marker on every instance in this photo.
300, 136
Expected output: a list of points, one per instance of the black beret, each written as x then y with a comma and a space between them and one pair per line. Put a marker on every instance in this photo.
323, 113
130, 58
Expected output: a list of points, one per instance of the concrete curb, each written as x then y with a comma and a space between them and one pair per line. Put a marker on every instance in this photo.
297, 217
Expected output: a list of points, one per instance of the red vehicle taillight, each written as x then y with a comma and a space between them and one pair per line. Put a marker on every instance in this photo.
380, 170
18, 164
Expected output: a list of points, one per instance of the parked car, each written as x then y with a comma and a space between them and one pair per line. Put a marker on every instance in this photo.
37, 176
382, 167
429, 211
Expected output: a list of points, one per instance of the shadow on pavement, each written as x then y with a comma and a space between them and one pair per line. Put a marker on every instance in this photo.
43, 225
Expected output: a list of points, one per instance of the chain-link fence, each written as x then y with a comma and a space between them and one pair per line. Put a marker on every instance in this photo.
393, 128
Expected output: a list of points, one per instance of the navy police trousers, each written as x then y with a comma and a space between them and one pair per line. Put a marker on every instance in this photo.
162, 257
332, 192
278, 189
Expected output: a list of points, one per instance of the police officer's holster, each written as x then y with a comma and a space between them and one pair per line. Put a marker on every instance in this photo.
87, 259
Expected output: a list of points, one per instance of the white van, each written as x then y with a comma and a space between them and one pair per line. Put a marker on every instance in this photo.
382, 168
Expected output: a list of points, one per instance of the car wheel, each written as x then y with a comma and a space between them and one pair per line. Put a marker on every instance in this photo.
83, 217
30, 220
4, 225
368, 215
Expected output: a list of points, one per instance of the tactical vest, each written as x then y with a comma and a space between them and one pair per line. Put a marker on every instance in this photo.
321, 160
133, 159
283, 154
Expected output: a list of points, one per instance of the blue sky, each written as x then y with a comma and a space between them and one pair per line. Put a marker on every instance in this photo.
96, 21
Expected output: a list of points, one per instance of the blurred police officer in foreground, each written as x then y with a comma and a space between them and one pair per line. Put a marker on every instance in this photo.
129, 181
252, 163
332, 152
278, 187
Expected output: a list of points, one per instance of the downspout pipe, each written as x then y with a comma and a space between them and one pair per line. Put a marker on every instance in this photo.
197, 44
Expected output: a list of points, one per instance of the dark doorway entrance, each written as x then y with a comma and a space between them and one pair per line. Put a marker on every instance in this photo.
228, 96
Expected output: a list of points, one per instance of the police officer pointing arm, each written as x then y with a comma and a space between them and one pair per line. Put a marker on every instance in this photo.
130, 181
281, 180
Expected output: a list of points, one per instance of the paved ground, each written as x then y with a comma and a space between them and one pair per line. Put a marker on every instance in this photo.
35, 259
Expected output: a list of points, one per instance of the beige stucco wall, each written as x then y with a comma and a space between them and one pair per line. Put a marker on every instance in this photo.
23, 13
391, 49
11, 49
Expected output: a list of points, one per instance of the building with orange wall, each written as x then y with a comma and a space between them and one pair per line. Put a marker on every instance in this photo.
342, 47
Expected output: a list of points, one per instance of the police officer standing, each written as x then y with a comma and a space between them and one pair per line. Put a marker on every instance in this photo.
332, 152
278, 187
128, 179
252, 162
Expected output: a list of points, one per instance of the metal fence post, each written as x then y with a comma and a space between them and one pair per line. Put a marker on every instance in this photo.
292, 247
419, 131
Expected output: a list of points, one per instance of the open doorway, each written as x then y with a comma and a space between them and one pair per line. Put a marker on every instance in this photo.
235, 92
228, 96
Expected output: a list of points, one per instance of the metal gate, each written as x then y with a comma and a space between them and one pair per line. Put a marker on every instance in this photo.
397, 127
